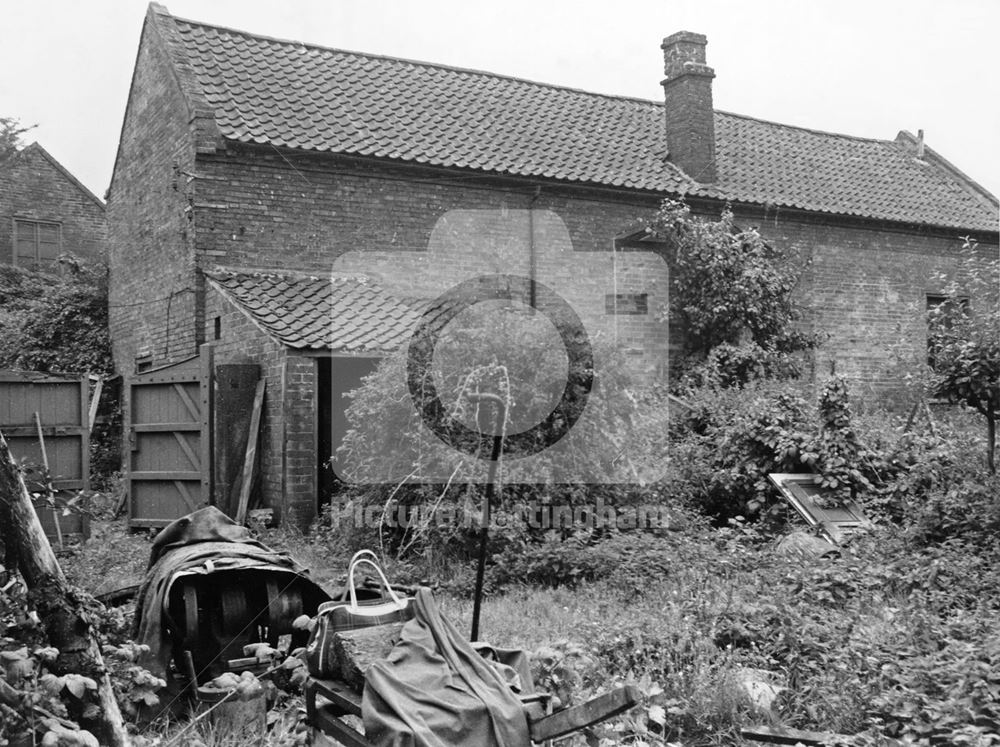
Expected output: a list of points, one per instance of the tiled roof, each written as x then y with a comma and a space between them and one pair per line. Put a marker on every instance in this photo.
343, 314
288, 94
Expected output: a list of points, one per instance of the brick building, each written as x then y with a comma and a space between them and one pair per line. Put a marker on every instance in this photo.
294, 205
45, 211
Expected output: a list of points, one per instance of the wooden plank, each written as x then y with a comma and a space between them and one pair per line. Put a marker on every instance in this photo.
48, 481
166, 475
50, 431
188, 403
165, 427
233, 388
342, 697
86, 426
784, 735
188, 451
206, 360
328, 722
586, 714
250, 459
186, 495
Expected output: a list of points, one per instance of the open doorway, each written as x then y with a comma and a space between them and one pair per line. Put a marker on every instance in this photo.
337, 377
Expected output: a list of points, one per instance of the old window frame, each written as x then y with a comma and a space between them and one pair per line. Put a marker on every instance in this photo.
36, 261
836, 521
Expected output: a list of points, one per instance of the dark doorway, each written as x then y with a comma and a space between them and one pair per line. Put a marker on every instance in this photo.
337, 377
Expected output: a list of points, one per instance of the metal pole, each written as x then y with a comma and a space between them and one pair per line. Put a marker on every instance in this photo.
484, 529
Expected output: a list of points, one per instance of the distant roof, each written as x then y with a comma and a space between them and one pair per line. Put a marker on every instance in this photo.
289, 94
342, 314
37, 148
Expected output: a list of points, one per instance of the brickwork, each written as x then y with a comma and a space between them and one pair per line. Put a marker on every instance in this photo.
419, 237
33, 186
153, 308
301, 458
689, 114
866, 288
180, 205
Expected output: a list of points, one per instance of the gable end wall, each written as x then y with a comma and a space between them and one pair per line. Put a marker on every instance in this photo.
150, 219
32, 187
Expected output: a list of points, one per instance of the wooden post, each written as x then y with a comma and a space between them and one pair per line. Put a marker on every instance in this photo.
66, 621
94, 404
48, 481
251, 453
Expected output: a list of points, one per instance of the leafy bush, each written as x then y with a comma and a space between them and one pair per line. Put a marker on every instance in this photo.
732, 296
59, 323
722, 452
964, 343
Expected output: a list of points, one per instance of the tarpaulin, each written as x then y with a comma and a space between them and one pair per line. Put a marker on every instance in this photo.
435, 690
206, 541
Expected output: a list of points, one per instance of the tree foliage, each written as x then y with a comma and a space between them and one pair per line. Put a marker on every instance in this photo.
55, 323
732, 296
11, 132
964, 339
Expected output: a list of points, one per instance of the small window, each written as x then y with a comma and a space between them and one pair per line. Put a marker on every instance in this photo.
37, 245
626, 303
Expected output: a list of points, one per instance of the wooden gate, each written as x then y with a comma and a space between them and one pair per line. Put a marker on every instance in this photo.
168, 466
60, 404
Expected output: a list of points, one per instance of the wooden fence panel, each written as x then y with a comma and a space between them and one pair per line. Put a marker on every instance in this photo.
62, 405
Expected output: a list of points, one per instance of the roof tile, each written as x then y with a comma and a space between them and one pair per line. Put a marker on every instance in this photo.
287, 94
332, 313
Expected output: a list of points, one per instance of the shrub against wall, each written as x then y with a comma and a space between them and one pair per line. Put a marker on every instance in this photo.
964, 343
59, 323
732, 295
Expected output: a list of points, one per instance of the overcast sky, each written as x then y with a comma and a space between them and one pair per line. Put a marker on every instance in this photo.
860, 67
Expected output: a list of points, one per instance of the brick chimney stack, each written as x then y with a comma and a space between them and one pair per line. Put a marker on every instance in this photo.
689, 115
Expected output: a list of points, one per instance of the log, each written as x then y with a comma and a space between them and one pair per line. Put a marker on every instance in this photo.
356, 650
66, 621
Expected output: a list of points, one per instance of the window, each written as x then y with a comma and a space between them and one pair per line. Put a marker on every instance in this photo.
626, 303
36, 244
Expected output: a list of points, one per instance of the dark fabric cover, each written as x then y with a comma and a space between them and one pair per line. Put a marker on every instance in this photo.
434, 689
205, 541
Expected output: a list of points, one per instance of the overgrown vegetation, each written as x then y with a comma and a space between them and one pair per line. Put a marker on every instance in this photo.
731, 294
59, 323
964, 344
894, 636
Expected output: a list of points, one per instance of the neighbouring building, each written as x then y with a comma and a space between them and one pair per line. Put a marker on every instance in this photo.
45, 212
294, 205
